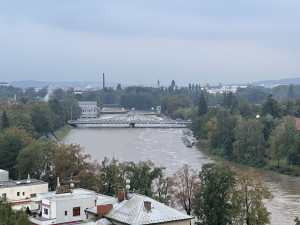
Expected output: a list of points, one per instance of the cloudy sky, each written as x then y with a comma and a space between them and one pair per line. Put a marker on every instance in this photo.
139, 41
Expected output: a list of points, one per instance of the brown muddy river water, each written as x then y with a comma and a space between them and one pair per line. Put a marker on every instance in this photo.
165, 148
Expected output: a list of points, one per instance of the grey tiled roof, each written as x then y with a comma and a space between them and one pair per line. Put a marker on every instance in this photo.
132, 211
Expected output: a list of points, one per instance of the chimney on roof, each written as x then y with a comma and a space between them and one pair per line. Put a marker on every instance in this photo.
102, 209
121, 195
136, 191
58, 184
147, 205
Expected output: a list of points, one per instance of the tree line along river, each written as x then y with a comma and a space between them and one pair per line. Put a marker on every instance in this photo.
165, 148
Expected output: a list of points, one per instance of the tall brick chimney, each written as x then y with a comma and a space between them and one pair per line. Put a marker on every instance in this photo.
147, 205
102, 209
121, 195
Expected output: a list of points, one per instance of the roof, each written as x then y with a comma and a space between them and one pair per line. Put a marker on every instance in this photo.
13, 183
102, 221
87, 102
133, 211
78, 193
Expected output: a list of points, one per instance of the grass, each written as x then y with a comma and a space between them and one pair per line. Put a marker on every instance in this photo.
62, 132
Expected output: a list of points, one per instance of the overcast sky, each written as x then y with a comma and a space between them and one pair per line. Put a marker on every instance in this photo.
139, 41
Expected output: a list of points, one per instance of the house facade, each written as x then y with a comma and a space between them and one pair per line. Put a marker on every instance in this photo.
89, 109
22, 193
65, 206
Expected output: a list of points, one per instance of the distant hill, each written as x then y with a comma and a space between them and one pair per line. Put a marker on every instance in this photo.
276, 82
41, 84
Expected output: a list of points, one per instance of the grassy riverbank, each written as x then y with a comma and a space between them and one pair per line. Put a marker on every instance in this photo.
270, 165
62, 132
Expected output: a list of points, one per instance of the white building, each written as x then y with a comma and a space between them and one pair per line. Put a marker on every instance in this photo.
66, 205
4, 84
89, 109
22, 193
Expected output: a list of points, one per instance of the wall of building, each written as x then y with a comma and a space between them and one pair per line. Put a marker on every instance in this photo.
25, 197
63, 205
3, 175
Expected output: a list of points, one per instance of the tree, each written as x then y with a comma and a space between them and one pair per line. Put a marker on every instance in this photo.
293, 156
8, 216
42, 116
248, 198
271, 106
162, 187
37, 159
111, 176
282, 139
12, 141
249, 145
291, 92
202, 110
142, 176
74, 161
229, 101
5, 121
185, 184
211, 204
223, 135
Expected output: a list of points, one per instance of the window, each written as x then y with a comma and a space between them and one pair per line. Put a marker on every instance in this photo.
32, 195
18, 193
76, 211
23, 193
45, 211
66, 213
4, 195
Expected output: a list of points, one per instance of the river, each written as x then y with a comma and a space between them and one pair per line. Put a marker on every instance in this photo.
165, 148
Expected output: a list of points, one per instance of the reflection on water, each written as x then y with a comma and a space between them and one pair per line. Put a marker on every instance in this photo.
165, 148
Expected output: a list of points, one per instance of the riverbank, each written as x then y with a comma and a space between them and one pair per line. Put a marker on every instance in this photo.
62, 132
270, 165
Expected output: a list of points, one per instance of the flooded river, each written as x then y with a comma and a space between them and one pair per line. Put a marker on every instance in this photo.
165, 148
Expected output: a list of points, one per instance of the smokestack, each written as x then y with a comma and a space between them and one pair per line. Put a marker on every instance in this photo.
147, 205
103, 81
102, 209
121, 195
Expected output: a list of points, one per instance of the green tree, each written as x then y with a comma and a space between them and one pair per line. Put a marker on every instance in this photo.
223, 135
249, 145
293, 156
5, 120
248, 200
212, 203
244, 108
290, 93
229, 101
8, 216
271, 106
142, 176
42, 116
12, 141
282, 139
202, 110
111, 176
37, 159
